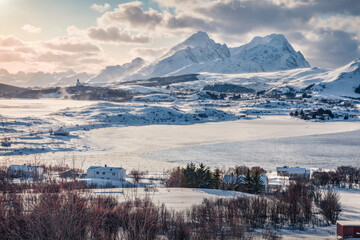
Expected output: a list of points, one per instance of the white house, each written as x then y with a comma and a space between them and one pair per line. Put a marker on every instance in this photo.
111, 173
232, 179
293, 172
25, 171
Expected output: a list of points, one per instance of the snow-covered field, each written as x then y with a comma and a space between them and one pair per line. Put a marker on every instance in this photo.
159, 147
267, 141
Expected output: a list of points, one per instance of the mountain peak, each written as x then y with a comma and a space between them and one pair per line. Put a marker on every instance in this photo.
274, 40
198, 37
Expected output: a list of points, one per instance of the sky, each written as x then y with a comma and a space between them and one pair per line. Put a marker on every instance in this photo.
87, 35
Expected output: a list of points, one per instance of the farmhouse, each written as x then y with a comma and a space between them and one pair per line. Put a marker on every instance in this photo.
111, 173
231, 179
348, 229
25, 171
293, 172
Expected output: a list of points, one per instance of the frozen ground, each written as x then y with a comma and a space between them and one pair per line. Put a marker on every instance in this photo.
159, 147
276, 140
314, 151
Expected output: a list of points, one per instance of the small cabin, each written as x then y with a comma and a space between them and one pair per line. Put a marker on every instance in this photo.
293, 172
25, 171
110, 173
231, 179
348, 229
61, 132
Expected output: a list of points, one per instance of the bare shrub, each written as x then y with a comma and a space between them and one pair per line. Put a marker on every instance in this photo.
330, 206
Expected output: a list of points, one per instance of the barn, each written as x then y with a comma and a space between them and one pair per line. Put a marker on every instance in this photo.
110, 173
348, 229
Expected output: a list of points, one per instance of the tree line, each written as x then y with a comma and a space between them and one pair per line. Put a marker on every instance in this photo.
342, 177
241, 178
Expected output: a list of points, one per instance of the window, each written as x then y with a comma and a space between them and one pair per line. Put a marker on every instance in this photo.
97, 172
113, 174
103, 173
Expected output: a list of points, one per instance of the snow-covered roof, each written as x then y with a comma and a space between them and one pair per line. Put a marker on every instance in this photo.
105, 169
349, 223
293, 170
60, 131
231, 179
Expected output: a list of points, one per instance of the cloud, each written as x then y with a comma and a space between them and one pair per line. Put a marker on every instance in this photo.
115, 35
10, 41
73, 31
59, 53
132, 14
72, 44
100, 8
31, 29
332, 48
148, 53
10, 56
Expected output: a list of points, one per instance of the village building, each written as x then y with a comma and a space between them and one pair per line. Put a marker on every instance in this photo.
25, 171
78, 83
110, 173
348, 229
231, 179
293, 172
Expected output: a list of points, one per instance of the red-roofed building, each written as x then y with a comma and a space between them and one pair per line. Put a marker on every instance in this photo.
348, 229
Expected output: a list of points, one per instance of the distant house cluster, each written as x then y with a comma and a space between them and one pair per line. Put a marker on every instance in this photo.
320, 114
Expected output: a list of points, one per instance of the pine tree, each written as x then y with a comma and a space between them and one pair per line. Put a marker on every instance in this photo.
258, 185
216, 179
249, 182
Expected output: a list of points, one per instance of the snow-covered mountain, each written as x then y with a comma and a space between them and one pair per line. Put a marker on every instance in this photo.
114, 73
270, 53
199, 53
337, 83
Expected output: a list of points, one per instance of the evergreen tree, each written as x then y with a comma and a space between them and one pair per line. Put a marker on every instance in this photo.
249, 182
216, 179
189, 174
258, 185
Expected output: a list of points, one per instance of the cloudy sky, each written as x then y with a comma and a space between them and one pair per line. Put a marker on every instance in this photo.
86, 35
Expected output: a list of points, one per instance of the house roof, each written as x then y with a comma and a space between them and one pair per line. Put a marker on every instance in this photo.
60, 131
349, 223
105, 169
293, 170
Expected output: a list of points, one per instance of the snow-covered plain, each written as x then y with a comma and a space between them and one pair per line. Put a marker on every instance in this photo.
275, 140
98, 143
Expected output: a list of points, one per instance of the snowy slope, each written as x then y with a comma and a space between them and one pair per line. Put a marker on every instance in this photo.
113, 73
337, 83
